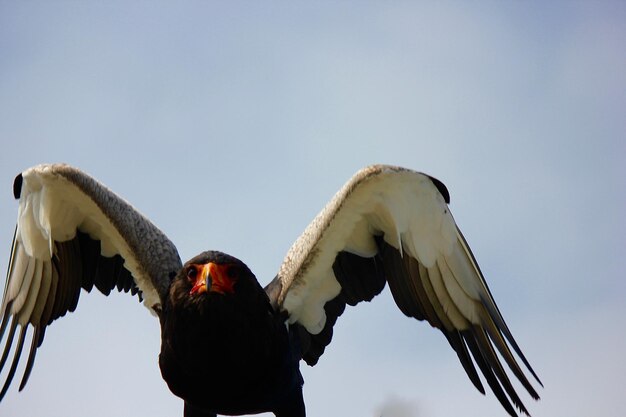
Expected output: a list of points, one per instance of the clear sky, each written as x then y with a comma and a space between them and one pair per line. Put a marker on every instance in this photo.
231, 124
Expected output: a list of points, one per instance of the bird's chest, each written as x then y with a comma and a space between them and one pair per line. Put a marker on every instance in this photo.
220, 348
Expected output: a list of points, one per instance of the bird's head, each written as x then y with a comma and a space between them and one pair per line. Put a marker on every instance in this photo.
215, 272
212, 274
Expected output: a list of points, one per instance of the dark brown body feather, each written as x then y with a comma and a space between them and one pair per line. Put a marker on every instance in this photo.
228, 354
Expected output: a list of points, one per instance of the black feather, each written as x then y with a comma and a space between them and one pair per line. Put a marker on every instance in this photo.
361, 278
90, 253
8, 343
492, 380
31, 357
456, 341
105, 270
16, 359
442, 189
17, 186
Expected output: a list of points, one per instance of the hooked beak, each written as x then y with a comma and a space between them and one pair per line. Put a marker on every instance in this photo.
203, 280
214, 278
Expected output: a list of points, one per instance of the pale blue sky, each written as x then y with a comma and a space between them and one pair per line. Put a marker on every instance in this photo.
231, 124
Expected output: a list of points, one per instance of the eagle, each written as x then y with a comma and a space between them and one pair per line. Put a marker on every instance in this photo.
386, 226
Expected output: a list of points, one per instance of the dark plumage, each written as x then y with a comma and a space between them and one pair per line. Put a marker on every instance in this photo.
228, 353
228, 345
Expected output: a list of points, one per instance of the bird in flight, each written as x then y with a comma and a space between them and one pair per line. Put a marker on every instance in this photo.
386, 225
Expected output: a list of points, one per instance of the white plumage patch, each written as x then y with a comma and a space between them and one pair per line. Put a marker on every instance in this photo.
51, 208
404, 206
407, 209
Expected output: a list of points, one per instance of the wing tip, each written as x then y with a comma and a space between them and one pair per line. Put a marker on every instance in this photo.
17, 186
441, 187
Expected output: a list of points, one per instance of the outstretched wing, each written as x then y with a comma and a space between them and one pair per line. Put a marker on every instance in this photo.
390, 224
72, 232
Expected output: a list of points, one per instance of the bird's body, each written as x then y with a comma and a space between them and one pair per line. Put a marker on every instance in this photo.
226, 353
228, 345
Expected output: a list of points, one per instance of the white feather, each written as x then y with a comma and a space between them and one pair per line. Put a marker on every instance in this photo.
450, 309
28, 232
465, 275
19, 265
46, 214
361, 242
314, 318
404, 206
46, 283
32, 294
465, 304
432, 297
19, 300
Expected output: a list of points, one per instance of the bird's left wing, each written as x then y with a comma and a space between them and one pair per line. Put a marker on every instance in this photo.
72, 232
390, 224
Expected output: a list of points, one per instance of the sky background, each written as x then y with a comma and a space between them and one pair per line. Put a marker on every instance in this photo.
231, 124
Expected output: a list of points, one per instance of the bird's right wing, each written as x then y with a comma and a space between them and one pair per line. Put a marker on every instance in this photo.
72, 232
393, 225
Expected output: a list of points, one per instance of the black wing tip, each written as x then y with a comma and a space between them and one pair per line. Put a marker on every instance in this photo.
17, 186
442, 189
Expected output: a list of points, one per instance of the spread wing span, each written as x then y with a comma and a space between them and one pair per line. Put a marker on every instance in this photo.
72, 233
393, 225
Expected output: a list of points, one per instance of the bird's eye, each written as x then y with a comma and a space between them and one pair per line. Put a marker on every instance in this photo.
192, 273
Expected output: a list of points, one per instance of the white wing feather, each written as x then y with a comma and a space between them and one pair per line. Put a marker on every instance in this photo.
402, 205
52, 208
430, 269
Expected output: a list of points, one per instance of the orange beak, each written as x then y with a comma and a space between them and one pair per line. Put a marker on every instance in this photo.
213, 278
200, 285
